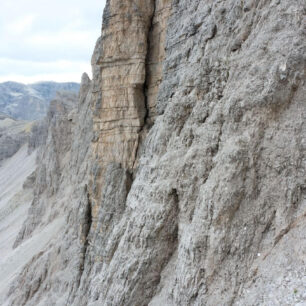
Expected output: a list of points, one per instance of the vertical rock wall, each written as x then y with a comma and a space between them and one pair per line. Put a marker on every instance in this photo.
127, 65
188, 188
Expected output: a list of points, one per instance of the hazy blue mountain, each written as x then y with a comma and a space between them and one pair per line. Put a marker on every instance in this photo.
30, 102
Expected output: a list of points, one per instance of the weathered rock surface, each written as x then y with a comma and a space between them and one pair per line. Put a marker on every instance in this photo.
13, 134
52, 157
181, 173
16, 133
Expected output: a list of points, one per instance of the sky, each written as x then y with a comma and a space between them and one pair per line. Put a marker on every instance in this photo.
44, 40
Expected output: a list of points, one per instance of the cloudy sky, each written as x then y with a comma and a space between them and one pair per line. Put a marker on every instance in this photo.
48, 40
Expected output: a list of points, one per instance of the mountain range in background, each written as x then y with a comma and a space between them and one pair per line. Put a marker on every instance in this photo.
30, 102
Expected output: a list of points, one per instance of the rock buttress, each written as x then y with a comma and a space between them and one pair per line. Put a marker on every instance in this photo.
127, 72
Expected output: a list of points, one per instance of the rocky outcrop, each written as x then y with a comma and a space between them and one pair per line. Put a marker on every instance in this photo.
61, 179
13, 134
38, 134
182, 176
126, 80
52, 157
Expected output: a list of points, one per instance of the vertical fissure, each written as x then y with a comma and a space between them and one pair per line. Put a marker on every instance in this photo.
86, 231
146, 85
86, 222
147, 62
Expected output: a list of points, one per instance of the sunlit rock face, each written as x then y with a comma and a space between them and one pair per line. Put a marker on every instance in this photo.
127, 65
181, 180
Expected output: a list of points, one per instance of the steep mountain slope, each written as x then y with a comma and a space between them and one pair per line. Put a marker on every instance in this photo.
15, 200
30, 102
181, 173
17, 181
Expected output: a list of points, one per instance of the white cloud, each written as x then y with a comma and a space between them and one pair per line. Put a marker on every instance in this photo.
21, 25
58, 77
31, 71
48, 40
71, 38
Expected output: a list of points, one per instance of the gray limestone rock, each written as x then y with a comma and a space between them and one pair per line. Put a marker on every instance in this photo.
13, 134
213, 210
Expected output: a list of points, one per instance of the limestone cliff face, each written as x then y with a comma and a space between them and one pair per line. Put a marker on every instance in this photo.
183, 175
127, 65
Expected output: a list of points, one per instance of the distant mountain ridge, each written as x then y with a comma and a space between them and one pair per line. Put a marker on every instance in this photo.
30, 102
